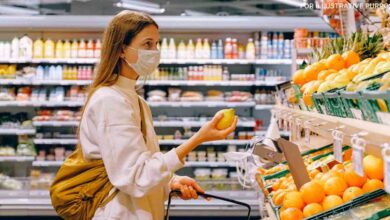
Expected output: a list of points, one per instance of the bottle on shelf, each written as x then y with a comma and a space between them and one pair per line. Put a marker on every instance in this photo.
49, 48
225, 73
181, 50
214, 50
39, 73
52, 72
58, 72
264, 45
59, 51
257, 44
81, 52
190, 49
25, 47
199, 49
74, 49
172, 49
67, 49
97, 49
7, 50
274, 45
280, 46
1, 49
220, 49
38, 48
206, 49
164, 48
241, 51
250, 50
234, 54
89, 50
228, 50
15, 48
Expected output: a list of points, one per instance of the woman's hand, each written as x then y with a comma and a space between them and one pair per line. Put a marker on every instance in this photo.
209, 131
188, 187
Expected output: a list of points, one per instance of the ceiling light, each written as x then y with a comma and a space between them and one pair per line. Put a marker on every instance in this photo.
141, 6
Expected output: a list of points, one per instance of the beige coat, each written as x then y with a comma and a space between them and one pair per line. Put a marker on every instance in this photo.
111, 130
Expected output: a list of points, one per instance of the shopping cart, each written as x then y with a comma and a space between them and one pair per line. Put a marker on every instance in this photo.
205, 195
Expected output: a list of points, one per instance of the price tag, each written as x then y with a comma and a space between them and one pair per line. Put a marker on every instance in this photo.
386, 158
307, 136
357, 113
285, 125
384, 117
338, 137
298, 129
358, 145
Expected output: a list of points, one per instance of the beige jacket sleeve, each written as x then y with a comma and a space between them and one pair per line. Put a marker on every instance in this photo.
130, 166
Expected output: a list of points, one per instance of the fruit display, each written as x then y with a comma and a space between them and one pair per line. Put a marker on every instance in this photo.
327, 189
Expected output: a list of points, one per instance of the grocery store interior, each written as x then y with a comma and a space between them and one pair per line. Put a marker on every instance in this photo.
308, 79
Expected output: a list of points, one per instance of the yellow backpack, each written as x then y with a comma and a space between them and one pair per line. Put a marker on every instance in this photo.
80, 187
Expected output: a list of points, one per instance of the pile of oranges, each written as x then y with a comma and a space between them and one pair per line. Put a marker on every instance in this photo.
327, 190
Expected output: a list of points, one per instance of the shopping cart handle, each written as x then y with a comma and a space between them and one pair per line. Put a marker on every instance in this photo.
205, 195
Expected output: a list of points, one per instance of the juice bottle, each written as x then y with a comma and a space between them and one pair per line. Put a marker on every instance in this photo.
214, 50
280, 46
275, 46
7, 50
25, 47
74, 49
89, 49
234, 49
269, 47
199, 49
67, 49
80, 73
250, 50
38, 48
96, 52
59, 72
206, 49
257, 44
172, 49
164, 49
190, 49
181, 50
264, 45
49, 49
228, 48
52, 72
74, 73
241, 51
40, 73
82, 49
15, 48
220, 51
60, 49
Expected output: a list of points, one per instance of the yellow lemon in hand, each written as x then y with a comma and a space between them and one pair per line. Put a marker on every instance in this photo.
227, 120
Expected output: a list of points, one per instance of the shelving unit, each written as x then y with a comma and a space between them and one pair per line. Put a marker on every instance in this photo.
16, 131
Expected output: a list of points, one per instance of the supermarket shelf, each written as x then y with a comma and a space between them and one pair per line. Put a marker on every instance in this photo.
263, 107
47, 163
16, 158
41, 103
53, 60
55, 141
196, 123
16, 131
209, 164
43, 82
202, 104
56, 123
303, 51
222, 142
373, 133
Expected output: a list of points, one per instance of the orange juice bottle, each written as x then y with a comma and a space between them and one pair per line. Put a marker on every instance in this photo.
67, 49
38, 48
74, 49
60, 49
49, 48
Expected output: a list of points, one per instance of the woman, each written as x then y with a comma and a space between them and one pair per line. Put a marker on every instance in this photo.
117, 125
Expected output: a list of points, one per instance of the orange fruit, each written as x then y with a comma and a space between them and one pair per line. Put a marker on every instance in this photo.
325, 177
293, 200
278, 199
331, 201
308, 99
311, 72
372, 185
325, 73
318, 176
338, 167
291, 214
312, 209
335, 186
350, 58
353, 179
306, 85
351, 193
312, 192
350, 74
275, 185
335, 61
373, 167
336, 173
298, 77
313, 173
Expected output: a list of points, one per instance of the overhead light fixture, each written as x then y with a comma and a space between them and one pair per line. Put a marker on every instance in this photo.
295, 3
147, 7
13, 10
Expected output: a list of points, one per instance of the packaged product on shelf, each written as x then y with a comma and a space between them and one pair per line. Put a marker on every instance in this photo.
25, 148
174, 94
7, 151
15, 48
191, 156
7, 50
67, 49
171, 49
156, 96
201, 156
82, 49
181, 50
237, 96
25, 47
264, 46
23, 94
211, 156
228, 49
234, 53
74, 49
206, 49
219, 176
202, 174
191, 96
220, 49
199, 49
49, 49
190, 49
250, 50
214, 95
89, 49
164, 49
9, 183
97, 50
214, 50
59, 51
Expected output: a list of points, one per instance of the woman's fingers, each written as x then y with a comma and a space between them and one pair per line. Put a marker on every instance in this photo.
216, 119
232, 127
186, 194
196, 186
194, 194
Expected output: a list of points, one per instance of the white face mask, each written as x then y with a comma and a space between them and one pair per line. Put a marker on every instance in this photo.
148, 61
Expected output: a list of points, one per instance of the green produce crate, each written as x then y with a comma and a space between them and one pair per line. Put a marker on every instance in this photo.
319, 103
353, 105
334, 104
298, 93
371, 106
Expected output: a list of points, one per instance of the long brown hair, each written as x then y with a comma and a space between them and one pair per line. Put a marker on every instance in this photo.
120, 31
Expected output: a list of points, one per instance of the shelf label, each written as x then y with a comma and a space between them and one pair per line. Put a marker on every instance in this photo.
358, 145
338, 137
386, 159
357, 113
307, 133
298, 129
384, 117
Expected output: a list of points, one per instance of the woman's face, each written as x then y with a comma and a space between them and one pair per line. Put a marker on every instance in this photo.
147, 39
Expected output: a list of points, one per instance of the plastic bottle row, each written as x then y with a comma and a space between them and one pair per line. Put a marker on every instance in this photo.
26, 48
